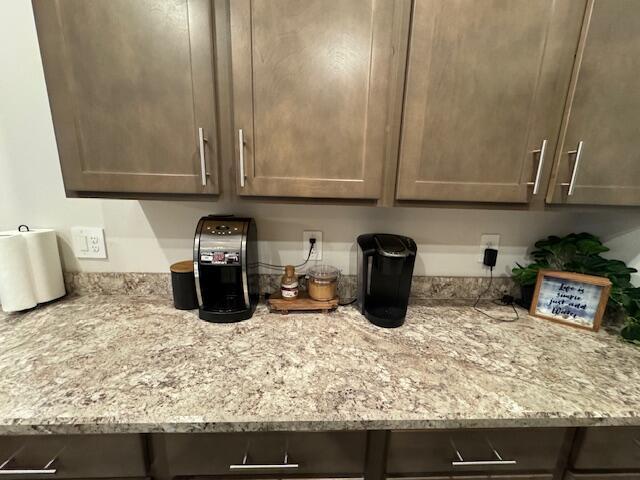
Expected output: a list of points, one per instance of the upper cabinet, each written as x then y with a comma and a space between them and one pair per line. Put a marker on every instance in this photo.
485, 90
598, 159
313, 83
131, 91
497, 101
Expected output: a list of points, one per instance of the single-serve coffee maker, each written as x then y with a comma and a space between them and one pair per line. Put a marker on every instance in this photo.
385, 269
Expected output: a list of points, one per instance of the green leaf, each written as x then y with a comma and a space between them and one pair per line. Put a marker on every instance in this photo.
631, 332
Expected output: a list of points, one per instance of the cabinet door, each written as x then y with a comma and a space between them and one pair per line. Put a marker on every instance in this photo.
474, 451
483, 82
72, 456
267, 453
608, 448
478, 477
130, 84
603, 113
312, 90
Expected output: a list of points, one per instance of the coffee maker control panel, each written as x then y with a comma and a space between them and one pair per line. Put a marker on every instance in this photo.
213, 257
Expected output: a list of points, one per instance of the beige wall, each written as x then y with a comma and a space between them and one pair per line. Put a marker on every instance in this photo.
149, 235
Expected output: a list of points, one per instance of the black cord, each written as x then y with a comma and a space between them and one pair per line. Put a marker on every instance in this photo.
344, 304
486, 290
280, 267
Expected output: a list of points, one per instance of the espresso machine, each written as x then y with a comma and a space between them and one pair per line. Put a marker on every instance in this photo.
225, 265
385, 269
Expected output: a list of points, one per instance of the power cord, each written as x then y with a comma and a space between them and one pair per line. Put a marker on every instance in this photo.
272, 266
486, 290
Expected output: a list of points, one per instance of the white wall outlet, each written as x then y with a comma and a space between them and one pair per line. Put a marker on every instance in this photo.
316, 253
488, 240
88, 242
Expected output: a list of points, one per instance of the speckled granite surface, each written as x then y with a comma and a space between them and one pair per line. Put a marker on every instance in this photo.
160, 284
126, 363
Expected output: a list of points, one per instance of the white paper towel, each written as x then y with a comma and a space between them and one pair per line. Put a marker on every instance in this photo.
40, 263
16, 286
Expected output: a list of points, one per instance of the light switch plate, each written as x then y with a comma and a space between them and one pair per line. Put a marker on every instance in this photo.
88, 242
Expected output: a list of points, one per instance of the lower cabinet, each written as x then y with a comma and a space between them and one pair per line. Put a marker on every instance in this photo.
607, 453
598, 453
611, 448
475, 452
480, 477
273, 453
72, 456
602, 476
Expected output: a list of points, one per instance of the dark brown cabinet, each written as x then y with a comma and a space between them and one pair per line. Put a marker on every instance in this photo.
531, 450
322, 454
486, 82
613, 448
72, 456
386, 101
313, 83
131, 90
598, 158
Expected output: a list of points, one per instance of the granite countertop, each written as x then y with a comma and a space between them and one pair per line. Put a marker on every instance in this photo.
122, 363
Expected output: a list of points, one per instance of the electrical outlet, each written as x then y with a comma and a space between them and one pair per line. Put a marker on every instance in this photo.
488, 240
316, 253
88, 242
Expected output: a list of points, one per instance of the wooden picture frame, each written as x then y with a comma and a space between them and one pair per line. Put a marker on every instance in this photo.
569, 298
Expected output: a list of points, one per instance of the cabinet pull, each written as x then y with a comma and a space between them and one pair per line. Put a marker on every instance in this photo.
46, 470
203, 164
248, 466
241, 156
574, 174
542, 150
461, 462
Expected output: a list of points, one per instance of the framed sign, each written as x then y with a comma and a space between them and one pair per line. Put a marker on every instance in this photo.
571, 298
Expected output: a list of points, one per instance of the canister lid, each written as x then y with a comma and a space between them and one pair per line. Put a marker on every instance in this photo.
185, 266
323, 272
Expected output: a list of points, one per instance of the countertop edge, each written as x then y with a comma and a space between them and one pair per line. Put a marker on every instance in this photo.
75, 426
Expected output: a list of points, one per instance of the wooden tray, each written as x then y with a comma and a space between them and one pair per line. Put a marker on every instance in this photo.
301, 304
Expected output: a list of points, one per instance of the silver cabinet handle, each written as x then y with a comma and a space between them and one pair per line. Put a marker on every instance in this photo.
264, 466
46, 470
574, 174
36, 471
241, 156
541, 151
461, 462
203, 163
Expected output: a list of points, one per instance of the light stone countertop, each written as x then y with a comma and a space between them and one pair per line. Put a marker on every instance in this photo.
123, 363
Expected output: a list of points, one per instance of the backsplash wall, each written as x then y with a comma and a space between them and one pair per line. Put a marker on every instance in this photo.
147, 236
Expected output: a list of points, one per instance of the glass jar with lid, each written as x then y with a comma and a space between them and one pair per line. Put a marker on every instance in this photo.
322, 282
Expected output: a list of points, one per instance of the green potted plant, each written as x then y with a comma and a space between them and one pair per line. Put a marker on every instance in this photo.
580, 252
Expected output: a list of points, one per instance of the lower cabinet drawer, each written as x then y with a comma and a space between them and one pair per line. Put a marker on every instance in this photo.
601, 476
72, 456
531, 450
480, 477
318, 454
608, 448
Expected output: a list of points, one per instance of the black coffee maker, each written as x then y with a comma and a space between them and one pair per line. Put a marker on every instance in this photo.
385, 269
225, 267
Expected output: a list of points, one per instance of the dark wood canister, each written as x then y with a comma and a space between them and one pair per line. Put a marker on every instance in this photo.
183, 285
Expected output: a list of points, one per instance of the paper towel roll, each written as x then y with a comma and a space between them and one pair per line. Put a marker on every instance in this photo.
46, 270
40, 263
16, 286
